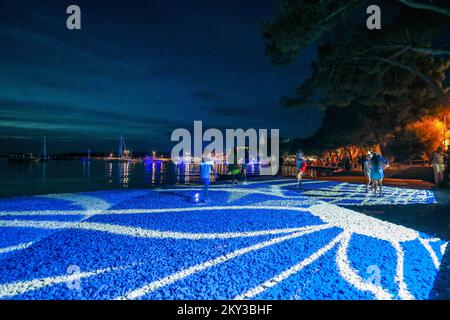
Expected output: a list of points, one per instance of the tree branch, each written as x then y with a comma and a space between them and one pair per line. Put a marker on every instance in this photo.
428, 51
335, 13
400, 65
421, 75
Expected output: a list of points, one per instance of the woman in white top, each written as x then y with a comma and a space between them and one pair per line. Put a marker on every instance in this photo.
437, 162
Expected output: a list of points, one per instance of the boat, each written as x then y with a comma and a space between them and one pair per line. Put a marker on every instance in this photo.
25, 157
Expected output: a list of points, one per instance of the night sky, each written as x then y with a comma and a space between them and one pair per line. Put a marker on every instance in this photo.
139, 69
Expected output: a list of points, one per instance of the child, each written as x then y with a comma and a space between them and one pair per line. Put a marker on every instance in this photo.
234, 168
301, 166
205, 175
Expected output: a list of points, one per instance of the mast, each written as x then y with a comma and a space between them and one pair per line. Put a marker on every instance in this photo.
89, 154
45, 147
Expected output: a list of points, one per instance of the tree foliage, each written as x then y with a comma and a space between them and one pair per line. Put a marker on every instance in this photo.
369, 83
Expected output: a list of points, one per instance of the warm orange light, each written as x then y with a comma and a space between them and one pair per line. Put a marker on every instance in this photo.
431, 131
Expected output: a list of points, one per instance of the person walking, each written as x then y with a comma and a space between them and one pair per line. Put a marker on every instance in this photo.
438, 164
347, 164
301, 164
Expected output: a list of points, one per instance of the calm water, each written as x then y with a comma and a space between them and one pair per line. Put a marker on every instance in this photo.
75, 176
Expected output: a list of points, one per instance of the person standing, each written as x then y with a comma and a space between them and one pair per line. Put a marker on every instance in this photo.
206, 167
244, 167
437, 162
366, 168
233, 167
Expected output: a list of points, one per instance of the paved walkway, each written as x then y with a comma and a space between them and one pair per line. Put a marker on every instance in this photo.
265, 240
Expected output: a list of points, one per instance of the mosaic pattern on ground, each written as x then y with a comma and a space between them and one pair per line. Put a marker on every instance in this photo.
264, 240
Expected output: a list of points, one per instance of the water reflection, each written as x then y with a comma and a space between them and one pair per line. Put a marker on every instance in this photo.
189, 172
44, 172
58, 176
109, 172
155, 172
124, 173
86, 169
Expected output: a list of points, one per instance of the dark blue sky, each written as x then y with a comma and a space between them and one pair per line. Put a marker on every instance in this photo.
140, 69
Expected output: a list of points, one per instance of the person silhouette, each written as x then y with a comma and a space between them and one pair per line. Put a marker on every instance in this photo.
301, 164
206, 167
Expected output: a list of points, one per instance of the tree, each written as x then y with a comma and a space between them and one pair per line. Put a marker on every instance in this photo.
369, 83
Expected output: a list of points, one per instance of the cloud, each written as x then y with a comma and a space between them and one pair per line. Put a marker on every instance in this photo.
25, 115
47, 21
142, 80
207, 95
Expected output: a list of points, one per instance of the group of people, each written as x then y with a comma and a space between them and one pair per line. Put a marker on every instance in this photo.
374, 166
237, 172
206, 168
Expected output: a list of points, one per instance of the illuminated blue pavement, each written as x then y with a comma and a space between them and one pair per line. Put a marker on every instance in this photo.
264, 240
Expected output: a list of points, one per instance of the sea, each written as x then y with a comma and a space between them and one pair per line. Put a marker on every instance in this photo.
65, 176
